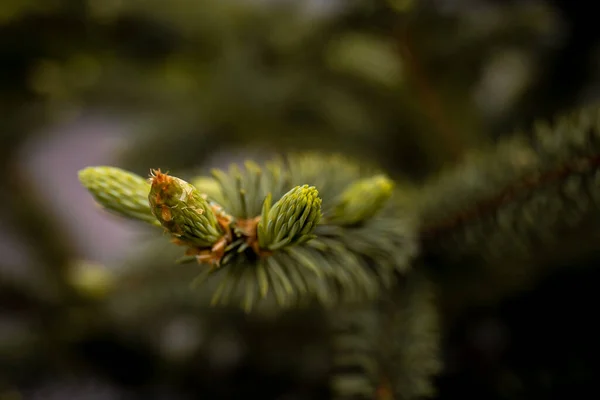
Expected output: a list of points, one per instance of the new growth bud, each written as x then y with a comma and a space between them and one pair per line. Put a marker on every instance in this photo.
362, 200
183, 211
119, 191
291, 220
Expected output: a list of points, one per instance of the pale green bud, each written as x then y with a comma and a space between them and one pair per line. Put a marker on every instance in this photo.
291, 220
362, 200
183, 211
119, 191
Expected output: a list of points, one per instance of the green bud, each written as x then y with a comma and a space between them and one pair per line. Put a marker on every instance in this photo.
207, 185
119, 191
183, 211
362, 200
291, 220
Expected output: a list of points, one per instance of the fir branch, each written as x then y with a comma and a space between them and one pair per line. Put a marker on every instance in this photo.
411, 339
388, 349
341, 264
512, 214
355, 360
286, 253
519, 199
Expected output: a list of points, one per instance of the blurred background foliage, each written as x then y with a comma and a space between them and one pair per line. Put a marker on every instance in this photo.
191, 84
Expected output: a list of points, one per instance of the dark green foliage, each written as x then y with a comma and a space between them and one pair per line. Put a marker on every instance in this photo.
356, 370
528, 202
411, 338
418, 87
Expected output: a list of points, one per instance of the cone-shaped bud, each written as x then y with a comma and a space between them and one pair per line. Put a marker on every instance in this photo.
183, 210
291, 220
119, 191
362, 200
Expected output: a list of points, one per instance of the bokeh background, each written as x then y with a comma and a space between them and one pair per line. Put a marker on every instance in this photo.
186, 85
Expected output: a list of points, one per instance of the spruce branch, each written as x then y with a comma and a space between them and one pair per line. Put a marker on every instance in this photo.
390, 348
410, 351
340, 264
119, 191
519, 201
355, 370
287, 252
